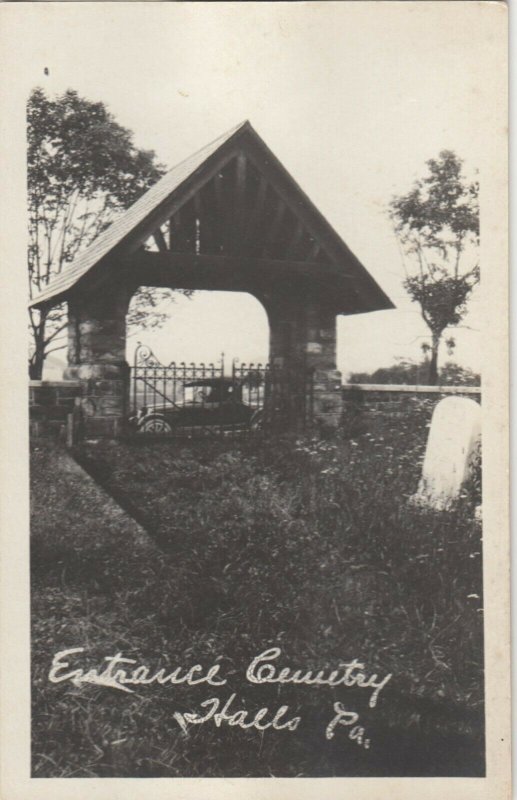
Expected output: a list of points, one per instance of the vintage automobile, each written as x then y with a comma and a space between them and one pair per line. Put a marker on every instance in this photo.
206, 402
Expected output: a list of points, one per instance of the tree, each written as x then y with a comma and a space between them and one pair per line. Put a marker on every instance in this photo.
83, 169
437, 225
410, 373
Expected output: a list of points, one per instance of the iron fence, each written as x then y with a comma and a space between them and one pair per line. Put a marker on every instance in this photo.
180, 399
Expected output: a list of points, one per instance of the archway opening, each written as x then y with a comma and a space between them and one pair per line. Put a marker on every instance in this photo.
206, 327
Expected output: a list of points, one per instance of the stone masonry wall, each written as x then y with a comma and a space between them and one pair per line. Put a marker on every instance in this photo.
395, 400
96, 358
50, 403
303, 333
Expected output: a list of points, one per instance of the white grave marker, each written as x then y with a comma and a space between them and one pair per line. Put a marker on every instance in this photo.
454, 434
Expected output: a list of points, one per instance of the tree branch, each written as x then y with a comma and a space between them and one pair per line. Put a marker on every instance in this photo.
56, 332
55, 349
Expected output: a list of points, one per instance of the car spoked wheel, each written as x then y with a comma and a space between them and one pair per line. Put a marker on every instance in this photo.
156, 425
257, 421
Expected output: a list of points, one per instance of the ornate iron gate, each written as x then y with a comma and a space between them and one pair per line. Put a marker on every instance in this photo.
183, 399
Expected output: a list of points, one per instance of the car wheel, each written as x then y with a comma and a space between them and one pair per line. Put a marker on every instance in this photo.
257, 421
156, 425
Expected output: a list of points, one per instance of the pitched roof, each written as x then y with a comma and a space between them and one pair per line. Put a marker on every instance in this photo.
124, 224
170, 184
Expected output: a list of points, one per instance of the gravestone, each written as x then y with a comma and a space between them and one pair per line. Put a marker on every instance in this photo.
454, 435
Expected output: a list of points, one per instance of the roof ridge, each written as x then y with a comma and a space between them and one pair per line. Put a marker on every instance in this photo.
157, 200
223, 137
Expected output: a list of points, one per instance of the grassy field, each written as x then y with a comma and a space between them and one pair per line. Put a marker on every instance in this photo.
304, 544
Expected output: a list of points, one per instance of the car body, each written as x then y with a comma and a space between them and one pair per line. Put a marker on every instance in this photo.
206, 402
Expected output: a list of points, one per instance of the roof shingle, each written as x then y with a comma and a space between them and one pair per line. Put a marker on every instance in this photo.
135, 214
119, 232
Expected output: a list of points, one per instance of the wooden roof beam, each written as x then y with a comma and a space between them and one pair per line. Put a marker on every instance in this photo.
236, 224
221, 211
192, 260
159, 238
275, 225
174, 230
295, 240
314, 251
255, 215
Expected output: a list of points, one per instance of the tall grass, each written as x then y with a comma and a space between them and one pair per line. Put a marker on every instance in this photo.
305, 544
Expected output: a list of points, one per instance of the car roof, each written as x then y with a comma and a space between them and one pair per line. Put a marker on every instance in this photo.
211, 382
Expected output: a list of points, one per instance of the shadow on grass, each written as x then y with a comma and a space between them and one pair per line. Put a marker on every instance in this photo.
307, 545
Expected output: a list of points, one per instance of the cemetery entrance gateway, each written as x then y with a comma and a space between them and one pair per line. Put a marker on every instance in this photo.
183, 399
228, 218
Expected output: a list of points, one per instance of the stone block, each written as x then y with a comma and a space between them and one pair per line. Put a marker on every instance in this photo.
102, 427
65, 402
102, 350
328, 408
35, 428
108, 406
90, 326
107, 387
328, 378
45, 396
36, 412
57, 413
88, 407
96, 371
313, 347
66, 393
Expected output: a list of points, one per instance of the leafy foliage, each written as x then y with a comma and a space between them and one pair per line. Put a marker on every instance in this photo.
437, 225
83, 169
411, 373
473, 486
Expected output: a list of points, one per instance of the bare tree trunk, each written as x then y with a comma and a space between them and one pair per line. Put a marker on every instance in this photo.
433, 363
37, 359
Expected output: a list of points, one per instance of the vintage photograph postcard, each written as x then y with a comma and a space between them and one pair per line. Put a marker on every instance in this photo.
255, 532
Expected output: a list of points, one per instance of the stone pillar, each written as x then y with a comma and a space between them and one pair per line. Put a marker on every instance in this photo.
97, 358
321, 347
303, 337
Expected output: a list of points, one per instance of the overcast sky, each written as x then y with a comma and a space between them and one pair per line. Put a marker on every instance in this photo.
352, 98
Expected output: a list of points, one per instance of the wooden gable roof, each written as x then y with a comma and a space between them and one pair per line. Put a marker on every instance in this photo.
235, 180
